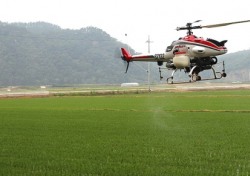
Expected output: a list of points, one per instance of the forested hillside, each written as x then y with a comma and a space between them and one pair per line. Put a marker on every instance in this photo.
44, 54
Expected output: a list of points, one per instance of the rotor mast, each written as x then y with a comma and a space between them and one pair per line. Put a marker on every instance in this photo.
189, 27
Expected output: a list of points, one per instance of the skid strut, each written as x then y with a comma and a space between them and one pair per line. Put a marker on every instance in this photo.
194, 74
171, 78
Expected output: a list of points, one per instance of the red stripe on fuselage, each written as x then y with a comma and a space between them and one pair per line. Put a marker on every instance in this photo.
194, 40
183, 52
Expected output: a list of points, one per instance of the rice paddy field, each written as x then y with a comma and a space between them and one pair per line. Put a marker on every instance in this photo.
166, 133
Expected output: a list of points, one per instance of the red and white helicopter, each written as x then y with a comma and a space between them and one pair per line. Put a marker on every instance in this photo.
190, 53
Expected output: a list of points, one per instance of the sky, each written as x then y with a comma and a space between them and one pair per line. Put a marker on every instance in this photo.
139, 19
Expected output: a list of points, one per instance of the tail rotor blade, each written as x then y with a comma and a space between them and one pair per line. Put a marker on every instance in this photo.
127, 67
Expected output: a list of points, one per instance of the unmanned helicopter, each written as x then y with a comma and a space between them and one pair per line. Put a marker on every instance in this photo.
190, 53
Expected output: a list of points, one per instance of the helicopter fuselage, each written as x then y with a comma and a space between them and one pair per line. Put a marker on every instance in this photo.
196, 47
190, 48
184, 50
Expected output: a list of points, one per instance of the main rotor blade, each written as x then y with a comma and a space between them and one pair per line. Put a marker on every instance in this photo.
197, 21
224, 24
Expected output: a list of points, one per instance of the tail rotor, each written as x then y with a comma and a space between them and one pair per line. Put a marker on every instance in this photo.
125, 55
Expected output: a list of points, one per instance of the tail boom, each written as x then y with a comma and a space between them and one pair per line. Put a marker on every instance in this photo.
126, 56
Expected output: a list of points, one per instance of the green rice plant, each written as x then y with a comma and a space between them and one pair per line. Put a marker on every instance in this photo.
185, 133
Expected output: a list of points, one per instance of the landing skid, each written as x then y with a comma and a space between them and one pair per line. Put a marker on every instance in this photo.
194, 76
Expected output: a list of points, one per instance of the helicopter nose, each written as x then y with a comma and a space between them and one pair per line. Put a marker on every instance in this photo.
225, 49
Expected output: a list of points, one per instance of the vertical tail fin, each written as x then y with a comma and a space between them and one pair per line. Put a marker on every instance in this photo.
126, 56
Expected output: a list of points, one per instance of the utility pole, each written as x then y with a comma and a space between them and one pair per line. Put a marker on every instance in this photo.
148, 71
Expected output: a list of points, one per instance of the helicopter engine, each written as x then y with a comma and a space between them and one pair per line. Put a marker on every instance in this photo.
181, 61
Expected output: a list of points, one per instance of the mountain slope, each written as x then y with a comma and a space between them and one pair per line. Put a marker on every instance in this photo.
42, 53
